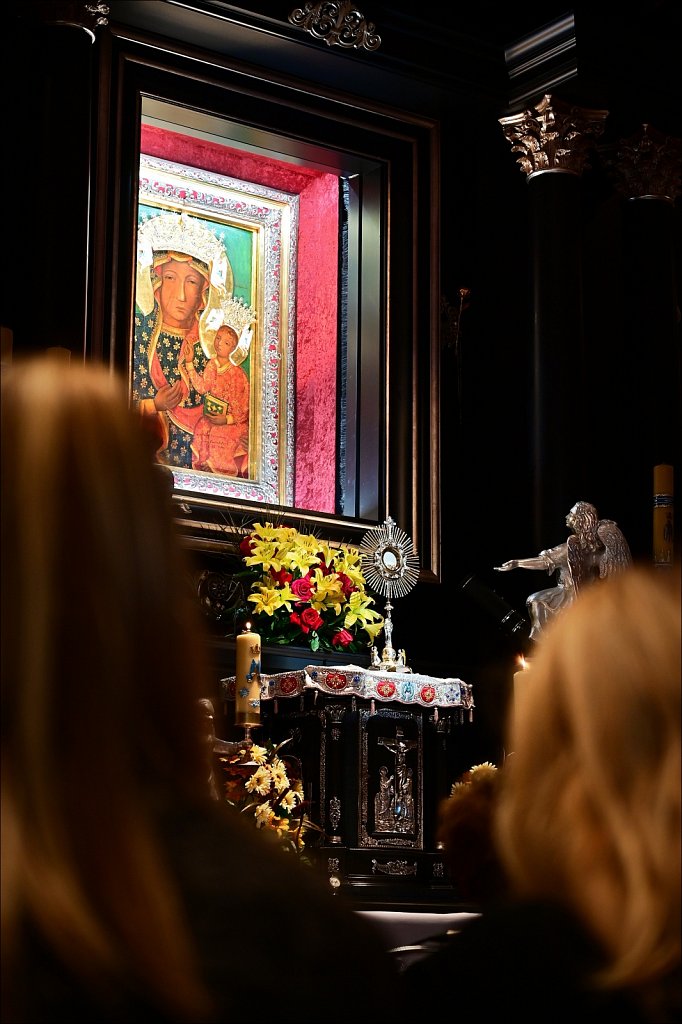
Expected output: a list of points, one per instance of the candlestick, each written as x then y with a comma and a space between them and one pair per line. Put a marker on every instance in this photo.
663, 516
247, 678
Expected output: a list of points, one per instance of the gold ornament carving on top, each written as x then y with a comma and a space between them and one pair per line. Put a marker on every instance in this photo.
556, 137
339, 24
66, 12
99, 11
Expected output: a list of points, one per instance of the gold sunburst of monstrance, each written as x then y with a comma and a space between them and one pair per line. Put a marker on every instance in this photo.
391, 568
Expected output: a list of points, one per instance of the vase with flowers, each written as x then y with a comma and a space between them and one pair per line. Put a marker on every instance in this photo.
266, 785
301, 590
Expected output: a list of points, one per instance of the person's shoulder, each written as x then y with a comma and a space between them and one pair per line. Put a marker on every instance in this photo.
225, 840
253, 904
534, 960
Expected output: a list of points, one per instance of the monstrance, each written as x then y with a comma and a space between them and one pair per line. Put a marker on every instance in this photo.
391, 567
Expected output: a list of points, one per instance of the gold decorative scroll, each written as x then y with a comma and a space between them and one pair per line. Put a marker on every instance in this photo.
339, 24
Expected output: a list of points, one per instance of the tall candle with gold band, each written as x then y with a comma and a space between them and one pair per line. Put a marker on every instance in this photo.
247, 678
519, 684
663, 516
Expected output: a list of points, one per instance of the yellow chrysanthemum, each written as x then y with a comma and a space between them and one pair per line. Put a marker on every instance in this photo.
263, 815
260, 782
279, 775
297, 788
258, 754
477, 772
289, 800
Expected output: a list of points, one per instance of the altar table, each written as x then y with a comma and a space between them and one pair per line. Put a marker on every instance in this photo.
379, 750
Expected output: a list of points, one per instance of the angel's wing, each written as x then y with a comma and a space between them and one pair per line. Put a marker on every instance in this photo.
616, 555
580, 565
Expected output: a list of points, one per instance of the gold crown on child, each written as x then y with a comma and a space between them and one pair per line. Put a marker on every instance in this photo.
236, 314
181, 233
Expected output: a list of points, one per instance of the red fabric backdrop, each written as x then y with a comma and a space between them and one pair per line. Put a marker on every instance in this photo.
316, 296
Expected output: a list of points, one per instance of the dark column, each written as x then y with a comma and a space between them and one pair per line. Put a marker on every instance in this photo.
553, 141
558, 349
647, 169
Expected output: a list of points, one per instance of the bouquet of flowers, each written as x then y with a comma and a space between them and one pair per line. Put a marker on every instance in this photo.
479, 774
303, 591
465, 830
269, 787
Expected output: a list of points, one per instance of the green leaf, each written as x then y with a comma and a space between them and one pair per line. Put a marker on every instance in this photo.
314, 642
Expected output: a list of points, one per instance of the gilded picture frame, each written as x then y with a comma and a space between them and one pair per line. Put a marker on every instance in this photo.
256, 228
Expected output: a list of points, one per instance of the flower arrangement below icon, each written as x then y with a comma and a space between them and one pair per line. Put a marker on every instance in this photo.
302, 590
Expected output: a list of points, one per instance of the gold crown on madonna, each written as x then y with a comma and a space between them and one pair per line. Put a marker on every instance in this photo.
183, 234
237, 314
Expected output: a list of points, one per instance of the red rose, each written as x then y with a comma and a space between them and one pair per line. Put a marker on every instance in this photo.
343, 638
347, 585
311, 619
246, 546
295, 618
303, 588
281, 578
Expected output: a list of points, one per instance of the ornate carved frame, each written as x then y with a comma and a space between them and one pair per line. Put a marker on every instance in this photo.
268, 219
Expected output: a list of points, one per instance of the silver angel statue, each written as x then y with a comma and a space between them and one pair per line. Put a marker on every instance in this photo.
595, 550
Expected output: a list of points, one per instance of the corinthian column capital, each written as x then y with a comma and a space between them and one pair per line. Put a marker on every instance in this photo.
647, 164
555, 136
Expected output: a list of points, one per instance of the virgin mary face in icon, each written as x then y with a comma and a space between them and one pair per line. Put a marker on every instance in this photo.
181, 292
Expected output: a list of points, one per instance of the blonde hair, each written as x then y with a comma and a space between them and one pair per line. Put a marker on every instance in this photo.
101, 669
590, 815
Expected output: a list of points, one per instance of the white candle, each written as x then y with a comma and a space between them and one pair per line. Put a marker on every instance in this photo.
519, 683
247, 678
